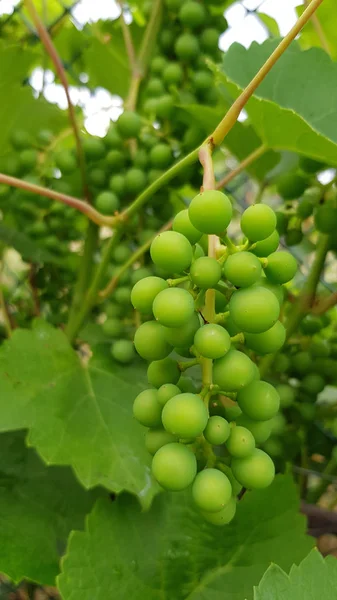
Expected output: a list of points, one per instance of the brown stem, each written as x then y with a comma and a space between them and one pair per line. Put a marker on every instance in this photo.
325, 304
51, 50
242, 166
80, 205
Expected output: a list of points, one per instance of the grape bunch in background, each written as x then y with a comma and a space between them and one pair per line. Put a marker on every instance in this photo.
191, 444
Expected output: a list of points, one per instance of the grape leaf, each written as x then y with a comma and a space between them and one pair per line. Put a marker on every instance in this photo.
327, 16
29, 250
315, 577
78, 415
38, 508
270, 23
171, 553
294, 108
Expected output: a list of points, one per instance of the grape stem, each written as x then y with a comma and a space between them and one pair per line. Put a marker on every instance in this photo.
183, 366
51, 50
242, 166
319, 30
325, 304
178, 281
76, 203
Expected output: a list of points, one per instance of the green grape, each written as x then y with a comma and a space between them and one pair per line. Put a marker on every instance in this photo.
117, 185
97, 177
212, 341
157, 438
313, 383
293, 237
209, 40
155, 87
28, 159
307, 411
158, 65
254, 310
205, 272
93, 148
242, 269
325, 218
142, 273
310, 165
267, 246
166, 392
224, 516
173, 5
113, 310
255, 471
146, 408
192, 14
211, 490
145, 291
282, 222
277, 289
123, 295
113, 327
165, 106
187, 47
141, 158
44, 137
182, 224
241, 442
302, 362
66, 162
113, 138
259, 400
171, 251
269, 341
160, 156
173, 74
20, 139
202, 81
173, 307
186, 384
115, 159
217, 430
278, 424
281, 267
193, 137
174, 466
198, 252
182, 337
107, 203
163, 371
210, 212
291, 186
274, 447
305, 208
320, 348
135, 180
261, 430
129, 124
121, 254
311, 324
258, 222
185, 415
123, 351
150, 341
233, 371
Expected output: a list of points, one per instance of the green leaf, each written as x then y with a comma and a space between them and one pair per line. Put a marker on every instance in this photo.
29, 250
327, 16
39, 506
270, 23
294, 108
315, 577
78, 415
171, 553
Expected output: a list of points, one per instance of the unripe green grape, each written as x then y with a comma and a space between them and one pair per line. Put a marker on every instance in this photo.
320, 348
186, 384
141, 158
254, 310
275, 288
278, 424
123, 295
107, 203
269, 341
155, 87
325, 218
187, 47
163, 371
93, 148
113, 310
171, 251
174, 466
115, 159
117, 185
185, 415
182, 337
113, 138
202, 81
158, 65
291, 186
146, 408
224, 516
28, 159
242, 269
209, 40
166, 392
193, 137
261, 430
141, 273
205, 272
305, 208
302, 362
113, 327
20, 139
198, 252
165, 106
97, 177
307, 411
135, 180
212, 341
173, 307
192, 14
173, 5
211, 490
129, 124
66, 162
157, 438
210, 212
217, 430
313, 383
123, 351
161, 156
258, 222
173, 73
311, 324
233, 371
123, 279
293, 236
241, 442
274, 447
121, 253
182, 224
259, 400
145, 291
150, 341
281, 267
256, 471
310, 165
268, 245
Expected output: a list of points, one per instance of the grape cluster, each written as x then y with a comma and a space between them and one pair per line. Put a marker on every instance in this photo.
190, 440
